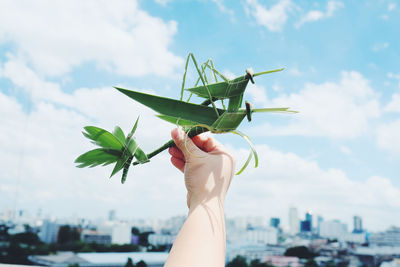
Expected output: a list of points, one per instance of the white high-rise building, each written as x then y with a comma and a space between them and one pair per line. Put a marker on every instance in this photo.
120, 232
333, 229
294, 222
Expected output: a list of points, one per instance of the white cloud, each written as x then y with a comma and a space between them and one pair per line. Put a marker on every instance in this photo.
394, 104
315, 15
295, 71
334, 110
116, 36
379, 46
273, 18
286, 178
345, 150
257, 93
388, 137
222, 7
394, 76
162, 2
391, 6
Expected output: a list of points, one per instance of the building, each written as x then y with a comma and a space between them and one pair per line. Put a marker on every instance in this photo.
391, 237
333, 229
49, 232
252, 251
265, 235
282, 261
111, 215
161, 239
90, 236
306, 225
120, 232
115, 259
294, 223
274, 222
357, 224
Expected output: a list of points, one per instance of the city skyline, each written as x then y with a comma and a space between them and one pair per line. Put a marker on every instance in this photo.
339, 156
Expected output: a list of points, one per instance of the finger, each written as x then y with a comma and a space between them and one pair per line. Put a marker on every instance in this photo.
200, 140
209, 145
178, 163
186, 145
176, 153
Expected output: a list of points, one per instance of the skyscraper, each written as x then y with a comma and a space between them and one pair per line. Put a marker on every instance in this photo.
357, 224
274, 222
306, 225
294, 225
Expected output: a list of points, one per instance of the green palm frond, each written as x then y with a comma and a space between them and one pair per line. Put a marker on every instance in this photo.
102, 138
99, 156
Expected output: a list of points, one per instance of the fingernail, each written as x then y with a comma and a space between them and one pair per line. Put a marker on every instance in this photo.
175, 134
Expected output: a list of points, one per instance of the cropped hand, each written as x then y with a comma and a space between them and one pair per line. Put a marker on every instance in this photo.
207, 166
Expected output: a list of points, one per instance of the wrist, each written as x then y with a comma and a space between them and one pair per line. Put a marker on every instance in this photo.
215, 202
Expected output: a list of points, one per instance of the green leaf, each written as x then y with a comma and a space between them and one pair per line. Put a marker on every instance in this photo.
176, 121
126, 154
135, 126
95, 157
119, 134
266, 72
253, 152
283, 110
175, 108
102, 137
141, 156
126, 169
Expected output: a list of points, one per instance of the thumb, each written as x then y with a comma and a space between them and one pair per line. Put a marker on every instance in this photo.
185, 144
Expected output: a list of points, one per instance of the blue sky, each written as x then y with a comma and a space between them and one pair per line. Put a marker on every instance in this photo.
338, 157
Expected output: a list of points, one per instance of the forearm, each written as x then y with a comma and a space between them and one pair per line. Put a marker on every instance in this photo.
201, 240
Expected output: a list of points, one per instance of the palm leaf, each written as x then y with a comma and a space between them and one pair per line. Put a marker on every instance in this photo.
134, 126
283, 110
199, 113
252, 152
141, 156
119, 134
95, 157
102, 137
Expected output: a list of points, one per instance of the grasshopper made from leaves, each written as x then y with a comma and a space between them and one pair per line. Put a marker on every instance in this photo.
193, 118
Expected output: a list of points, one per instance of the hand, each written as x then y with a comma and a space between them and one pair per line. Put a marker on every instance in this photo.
207, 166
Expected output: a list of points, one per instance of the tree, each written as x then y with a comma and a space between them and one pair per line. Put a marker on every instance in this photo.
141, 264
238, 261
67, 234
301, 252
257, 263
129, 263
310, 263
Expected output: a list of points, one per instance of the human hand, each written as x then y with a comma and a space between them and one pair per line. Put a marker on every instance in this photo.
207, 166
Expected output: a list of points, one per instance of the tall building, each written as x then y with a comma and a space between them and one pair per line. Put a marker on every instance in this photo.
357, 224
49, 231
333, 229
274, 222
306, 225
111, 215
293, 221
319, 221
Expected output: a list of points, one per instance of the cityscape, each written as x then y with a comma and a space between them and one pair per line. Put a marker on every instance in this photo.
306, 240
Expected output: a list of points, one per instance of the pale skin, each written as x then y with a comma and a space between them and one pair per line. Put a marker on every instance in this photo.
208, 169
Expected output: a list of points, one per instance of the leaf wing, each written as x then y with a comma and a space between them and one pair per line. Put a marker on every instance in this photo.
102, 137
119, 134
95, 157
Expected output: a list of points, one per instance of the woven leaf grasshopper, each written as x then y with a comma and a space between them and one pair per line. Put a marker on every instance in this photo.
193, 118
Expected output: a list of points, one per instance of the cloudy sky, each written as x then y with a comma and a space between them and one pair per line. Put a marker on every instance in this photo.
338, 157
